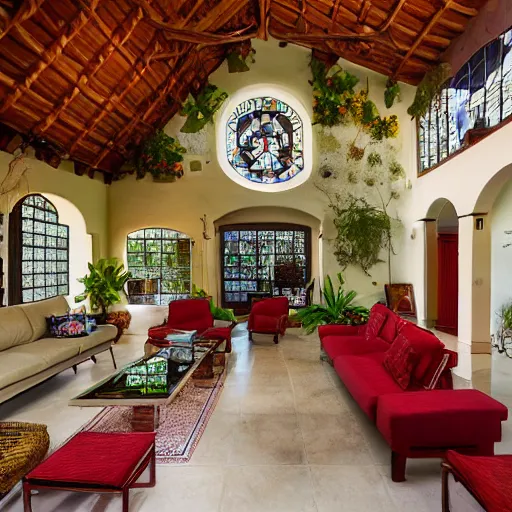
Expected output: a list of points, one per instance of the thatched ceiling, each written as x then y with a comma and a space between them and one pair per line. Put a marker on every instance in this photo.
94, 77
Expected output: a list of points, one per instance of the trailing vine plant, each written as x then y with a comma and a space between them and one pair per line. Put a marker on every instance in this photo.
201, 108
239, 56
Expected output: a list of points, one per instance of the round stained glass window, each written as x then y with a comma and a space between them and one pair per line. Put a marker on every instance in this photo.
264, 141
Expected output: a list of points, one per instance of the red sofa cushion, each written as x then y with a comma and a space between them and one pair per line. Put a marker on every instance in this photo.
340, 330
376, 320
366, 379
439, 418
427, 346
389, 329
488, 478
96, 458
400, 361
335, 346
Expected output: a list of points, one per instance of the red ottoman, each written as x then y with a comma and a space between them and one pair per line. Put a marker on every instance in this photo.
96, 462
487, 479
427, 423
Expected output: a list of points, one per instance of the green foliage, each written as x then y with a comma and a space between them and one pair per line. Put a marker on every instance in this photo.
198, 293
370, 112
338, 308
161, 156
391, 93
428, 89
396, 171
222, 314
200, 109
239, 56
103, 283
374, 159
506, 316
363, 231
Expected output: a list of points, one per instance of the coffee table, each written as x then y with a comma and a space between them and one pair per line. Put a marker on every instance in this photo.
150, 382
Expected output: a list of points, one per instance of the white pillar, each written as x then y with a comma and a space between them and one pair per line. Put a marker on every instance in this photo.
474, 295
431, 272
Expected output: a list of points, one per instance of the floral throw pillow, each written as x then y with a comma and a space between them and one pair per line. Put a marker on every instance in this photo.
67, 326
400, 361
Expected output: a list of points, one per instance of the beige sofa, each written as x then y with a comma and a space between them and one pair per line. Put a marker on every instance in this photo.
27, 357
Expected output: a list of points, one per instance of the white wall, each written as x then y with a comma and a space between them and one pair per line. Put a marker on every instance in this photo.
501, 265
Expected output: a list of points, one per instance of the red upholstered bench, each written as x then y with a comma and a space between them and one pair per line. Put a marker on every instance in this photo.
487, 479
96, 462
427, 423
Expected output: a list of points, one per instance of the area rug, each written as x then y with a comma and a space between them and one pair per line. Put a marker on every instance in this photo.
181, 425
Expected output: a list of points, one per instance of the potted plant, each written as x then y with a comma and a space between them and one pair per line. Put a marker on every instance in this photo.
103, 284
162, 157
338, 308
201, 107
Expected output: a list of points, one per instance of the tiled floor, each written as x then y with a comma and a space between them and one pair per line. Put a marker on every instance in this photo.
284, 437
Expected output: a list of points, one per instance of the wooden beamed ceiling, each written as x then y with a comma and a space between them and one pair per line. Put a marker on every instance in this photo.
92, 78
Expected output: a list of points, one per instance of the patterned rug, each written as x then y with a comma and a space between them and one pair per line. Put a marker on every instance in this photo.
182, 423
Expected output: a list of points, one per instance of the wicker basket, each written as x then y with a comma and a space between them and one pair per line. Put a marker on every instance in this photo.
22, 447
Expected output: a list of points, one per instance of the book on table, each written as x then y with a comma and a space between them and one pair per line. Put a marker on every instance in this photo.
179, 336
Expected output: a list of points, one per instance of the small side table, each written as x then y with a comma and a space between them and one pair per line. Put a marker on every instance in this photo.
81, 466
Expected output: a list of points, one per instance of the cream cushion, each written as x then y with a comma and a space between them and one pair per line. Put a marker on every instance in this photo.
19, 363
37, 312
102, 334
15, 329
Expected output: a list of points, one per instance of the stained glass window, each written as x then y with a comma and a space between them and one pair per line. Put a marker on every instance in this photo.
264, 140
264, 260
160, 262
479, 96
39, 256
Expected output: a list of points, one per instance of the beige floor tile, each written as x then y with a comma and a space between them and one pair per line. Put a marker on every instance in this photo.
333, 439
268, 399
350, 489
268, 489
267, 439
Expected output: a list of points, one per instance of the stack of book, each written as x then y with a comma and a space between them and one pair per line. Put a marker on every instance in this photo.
181, 337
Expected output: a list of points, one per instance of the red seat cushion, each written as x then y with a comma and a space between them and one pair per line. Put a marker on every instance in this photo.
440, 418
487, 477
335, 346
366, 379
400, 361
266, 324
96, 458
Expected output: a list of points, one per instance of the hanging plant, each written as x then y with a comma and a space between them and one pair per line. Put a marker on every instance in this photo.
201, 108
391, 93
332, 90
238, 57
161, 156
428, 89
396, 171
374, 159
363, 231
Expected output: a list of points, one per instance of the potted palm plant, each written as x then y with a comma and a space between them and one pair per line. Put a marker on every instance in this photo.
103, 286
338, 309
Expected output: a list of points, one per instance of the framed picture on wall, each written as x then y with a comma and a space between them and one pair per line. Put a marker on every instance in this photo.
400, 299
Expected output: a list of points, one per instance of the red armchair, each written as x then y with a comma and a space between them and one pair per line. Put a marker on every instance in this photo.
190, 315
269, 316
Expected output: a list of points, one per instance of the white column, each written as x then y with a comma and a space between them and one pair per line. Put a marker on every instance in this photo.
431, 270
474, 295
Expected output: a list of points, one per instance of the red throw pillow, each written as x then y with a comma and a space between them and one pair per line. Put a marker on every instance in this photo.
374, 325
428, 347
389, 330
400, 361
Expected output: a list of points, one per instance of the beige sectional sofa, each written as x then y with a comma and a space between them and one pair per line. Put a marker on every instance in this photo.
27, 357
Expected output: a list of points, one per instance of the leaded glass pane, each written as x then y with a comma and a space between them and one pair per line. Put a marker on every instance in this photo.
163, 255
264, 140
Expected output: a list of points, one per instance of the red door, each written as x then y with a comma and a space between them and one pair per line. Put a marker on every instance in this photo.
447, 283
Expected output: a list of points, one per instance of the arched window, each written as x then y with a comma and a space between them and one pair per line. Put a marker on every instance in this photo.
38, 251
478, 98
264, 139
160, 262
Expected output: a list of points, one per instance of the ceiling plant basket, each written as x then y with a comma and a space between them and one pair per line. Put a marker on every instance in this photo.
162, 157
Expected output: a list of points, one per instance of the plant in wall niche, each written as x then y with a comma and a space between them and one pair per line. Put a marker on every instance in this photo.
338, 308
103, 284
391, 93
428, 89
201, 108
161, 156
238, 57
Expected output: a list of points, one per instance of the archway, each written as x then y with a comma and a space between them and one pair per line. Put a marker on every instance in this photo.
442, 266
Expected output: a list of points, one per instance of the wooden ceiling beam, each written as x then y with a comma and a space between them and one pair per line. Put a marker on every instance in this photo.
264, 10
27, 9
47, 58
119, 37
421, 36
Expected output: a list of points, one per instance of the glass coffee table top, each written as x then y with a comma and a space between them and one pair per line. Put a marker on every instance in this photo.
149, 380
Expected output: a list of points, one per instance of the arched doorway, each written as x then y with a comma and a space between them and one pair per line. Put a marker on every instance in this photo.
442, 266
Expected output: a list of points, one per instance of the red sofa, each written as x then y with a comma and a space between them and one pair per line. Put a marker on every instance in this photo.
190, 315
400, 375
269, 316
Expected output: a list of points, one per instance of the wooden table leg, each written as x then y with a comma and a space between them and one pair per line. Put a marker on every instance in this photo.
145, 418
